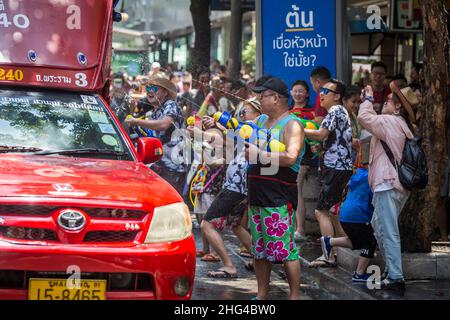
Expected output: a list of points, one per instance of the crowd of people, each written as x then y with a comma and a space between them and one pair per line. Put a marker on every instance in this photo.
358, 136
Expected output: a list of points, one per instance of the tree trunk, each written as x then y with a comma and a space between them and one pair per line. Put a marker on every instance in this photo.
234, 67
418, 217
201, 52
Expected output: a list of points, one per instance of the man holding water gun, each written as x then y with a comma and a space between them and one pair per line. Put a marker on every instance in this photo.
165, 119
272, 189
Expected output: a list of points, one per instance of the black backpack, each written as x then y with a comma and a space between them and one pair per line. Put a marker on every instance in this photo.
413, 169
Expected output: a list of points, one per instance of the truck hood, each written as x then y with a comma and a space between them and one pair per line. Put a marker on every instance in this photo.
82, 178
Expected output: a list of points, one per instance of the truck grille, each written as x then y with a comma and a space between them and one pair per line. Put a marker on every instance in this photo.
27, 210
17, 232
33, 234
110, 236
107, 213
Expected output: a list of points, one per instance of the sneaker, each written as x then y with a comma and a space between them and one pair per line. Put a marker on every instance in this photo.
356, 277
391, 284
326, 246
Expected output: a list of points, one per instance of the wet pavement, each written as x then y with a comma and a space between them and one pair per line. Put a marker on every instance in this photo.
244, 287
316, 284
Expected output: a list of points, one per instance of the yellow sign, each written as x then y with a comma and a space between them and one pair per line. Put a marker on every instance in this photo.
11, 74
57, 289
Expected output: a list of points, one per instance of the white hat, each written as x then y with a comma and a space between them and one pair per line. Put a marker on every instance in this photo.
156, 65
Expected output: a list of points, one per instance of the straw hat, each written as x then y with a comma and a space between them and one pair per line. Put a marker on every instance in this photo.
254, 103
408, 99
166, 84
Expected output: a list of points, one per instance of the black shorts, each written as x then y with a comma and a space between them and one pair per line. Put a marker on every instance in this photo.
332, 186
362, 238
227, 209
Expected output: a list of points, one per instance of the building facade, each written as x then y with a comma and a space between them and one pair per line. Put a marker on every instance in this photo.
386, 30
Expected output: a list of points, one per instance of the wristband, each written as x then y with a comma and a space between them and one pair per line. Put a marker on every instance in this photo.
368, 98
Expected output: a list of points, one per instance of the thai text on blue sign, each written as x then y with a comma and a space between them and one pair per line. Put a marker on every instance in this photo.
297, 37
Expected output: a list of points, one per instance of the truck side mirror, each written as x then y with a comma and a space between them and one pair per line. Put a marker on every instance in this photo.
150, 150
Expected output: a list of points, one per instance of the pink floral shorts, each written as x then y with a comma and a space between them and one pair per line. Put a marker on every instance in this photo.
272, 232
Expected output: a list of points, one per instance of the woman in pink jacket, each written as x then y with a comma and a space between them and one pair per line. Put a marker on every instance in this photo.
393, 126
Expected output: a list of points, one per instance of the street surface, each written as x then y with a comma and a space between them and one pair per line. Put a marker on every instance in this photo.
244, 287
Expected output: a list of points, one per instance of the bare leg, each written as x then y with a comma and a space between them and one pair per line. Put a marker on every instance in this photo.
441, 219
292, 269
343, 242
244, 236
337, 226
239, 232
205, 242
363, 263
244, 220
199, 217
326, 227
263, 268
301, 208
211, 235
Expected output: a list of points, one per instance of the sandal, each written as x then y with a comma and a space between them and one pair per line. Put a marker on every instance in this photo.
244, 253
322, 262
248, 265
221, 274
200, 253
209, 257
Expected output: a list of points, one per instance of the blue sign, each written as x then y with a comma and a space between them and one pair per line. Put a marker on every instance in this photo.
298, 36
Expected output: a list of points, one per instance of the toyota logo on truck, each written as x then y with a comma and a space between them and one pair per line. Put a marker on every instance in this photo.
71, 220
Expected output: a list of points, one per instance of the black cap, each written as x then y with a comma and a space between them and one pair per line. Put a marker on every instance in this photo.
275, 84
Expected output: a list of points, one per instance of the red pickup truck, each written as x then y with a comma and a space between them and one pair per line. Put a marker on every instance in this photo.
81, 215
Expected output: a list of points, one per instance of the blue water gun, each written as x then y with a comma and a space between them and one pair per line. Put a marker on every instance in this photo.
249, 132
140, 131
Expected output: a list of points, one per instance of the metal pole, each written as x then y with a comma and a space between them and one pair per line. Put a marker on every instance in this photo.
343, 43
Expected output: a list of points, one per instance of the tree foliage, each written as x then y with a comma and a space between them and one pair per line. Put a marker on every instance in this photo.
249, 55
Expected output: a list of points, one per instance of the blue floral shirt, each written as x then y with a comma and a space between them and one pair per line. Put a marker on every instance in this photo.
172, 138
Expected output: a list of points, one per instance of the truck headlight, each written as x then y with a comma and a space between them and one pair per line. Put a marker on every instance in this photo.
170, 223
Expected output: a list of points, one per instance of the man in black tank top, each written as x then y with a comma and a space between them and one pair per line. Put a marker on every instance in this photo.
273, 195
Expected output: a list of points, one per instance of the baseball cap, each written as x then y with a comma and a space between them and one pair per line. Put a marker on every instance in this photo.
275, 84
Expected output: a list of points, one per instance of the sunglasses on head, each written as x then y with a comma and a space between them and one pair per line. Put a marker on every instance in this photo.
326, 91
153, 88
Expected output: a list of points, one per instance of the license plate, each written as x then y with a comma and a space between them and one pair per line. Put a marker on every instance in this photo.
57, 289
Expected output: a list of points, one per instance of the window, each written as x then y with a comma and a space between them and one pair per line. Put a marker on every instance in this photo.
58, 121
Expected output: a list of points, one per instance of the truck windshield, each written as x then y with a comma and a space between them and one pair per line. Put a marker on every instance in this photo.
53, 122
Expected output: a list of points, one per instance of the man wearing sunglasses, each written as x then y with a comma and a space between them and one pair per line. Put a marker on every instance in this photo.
165, 119
336, 132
